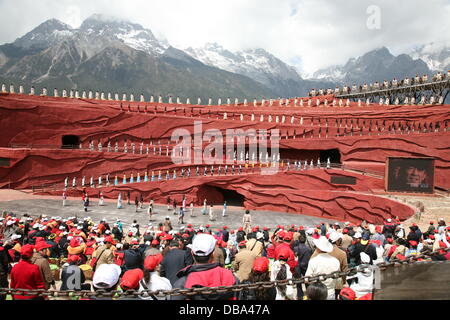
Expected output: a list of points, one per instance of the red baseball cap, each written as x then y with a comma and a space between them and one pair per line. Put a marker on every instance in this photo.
431, 236
378, 229
131, 278
400, 257
283, 254
155, 242
27, 251
225, 227
207, 226
288, 236
261, 264
151, 262
242, 243
109, 239
413, 243
42, 245
74, 242
73, 258
167, 237
189, 225
347, 293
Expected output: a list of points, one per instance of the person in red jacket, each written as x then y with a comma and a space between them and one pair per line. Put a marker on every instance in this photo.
286, 243
205, 272
25, 275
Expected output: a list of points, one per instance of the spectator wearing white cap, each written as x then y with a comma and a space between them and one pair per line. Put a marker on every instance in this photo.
204, 272
365, 276
324, 263
336, 240
106, 278
10, 228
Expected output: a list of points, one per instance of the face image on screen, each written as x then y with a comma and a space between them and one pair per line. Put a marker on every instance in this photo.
410, 175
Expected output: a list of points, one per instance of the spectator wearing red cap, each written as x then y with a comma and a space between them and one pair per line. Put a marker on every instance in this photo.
243, 262
285, 244
26, 275
77, 247
379, 235
131, 281
103, 254
259, 273
40, 258
205, 273
414, 234
281, 271
431, 228
240, 234
152, 281
398, 249
346, 239
225, 234
153, 249
413, 248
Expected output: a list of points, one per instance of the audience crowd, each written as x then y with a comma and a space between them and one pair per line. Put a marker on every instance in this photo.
53, 253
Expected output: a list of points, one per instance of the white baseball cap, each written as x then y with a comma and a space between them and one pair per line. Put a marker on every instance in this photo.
323, 244
203, 244
106, 276
357, 235
364, 257
335, 236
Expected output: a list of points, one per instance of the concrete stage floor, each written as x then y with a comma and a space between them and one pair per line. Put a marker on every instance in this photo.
34, 206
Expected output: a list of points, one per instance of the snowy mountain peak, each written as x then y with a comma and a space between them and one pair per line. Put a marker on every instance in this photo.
46, 34
435, 55
131, 34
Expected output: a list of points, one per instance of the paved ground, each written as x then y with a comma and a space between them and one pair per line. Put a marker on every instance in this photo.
53, 207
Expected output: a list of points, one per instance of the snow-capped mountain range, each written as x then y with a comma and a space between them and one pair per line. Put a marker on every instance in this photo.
56, 53
380, 64
435, 55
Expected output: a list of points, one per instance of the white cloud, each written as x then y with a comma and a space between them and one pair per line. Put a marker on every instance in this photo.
308, 33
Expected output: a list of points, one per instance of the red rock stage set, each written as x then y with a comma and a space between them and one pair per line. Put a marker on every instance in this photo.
338, 156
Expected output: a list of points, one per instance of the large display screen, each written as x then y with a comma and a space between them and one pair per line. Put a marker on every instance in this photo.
410, 175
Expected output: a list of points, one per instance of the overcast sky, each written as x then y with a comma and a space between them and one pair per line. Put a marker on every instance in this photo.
308, 34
